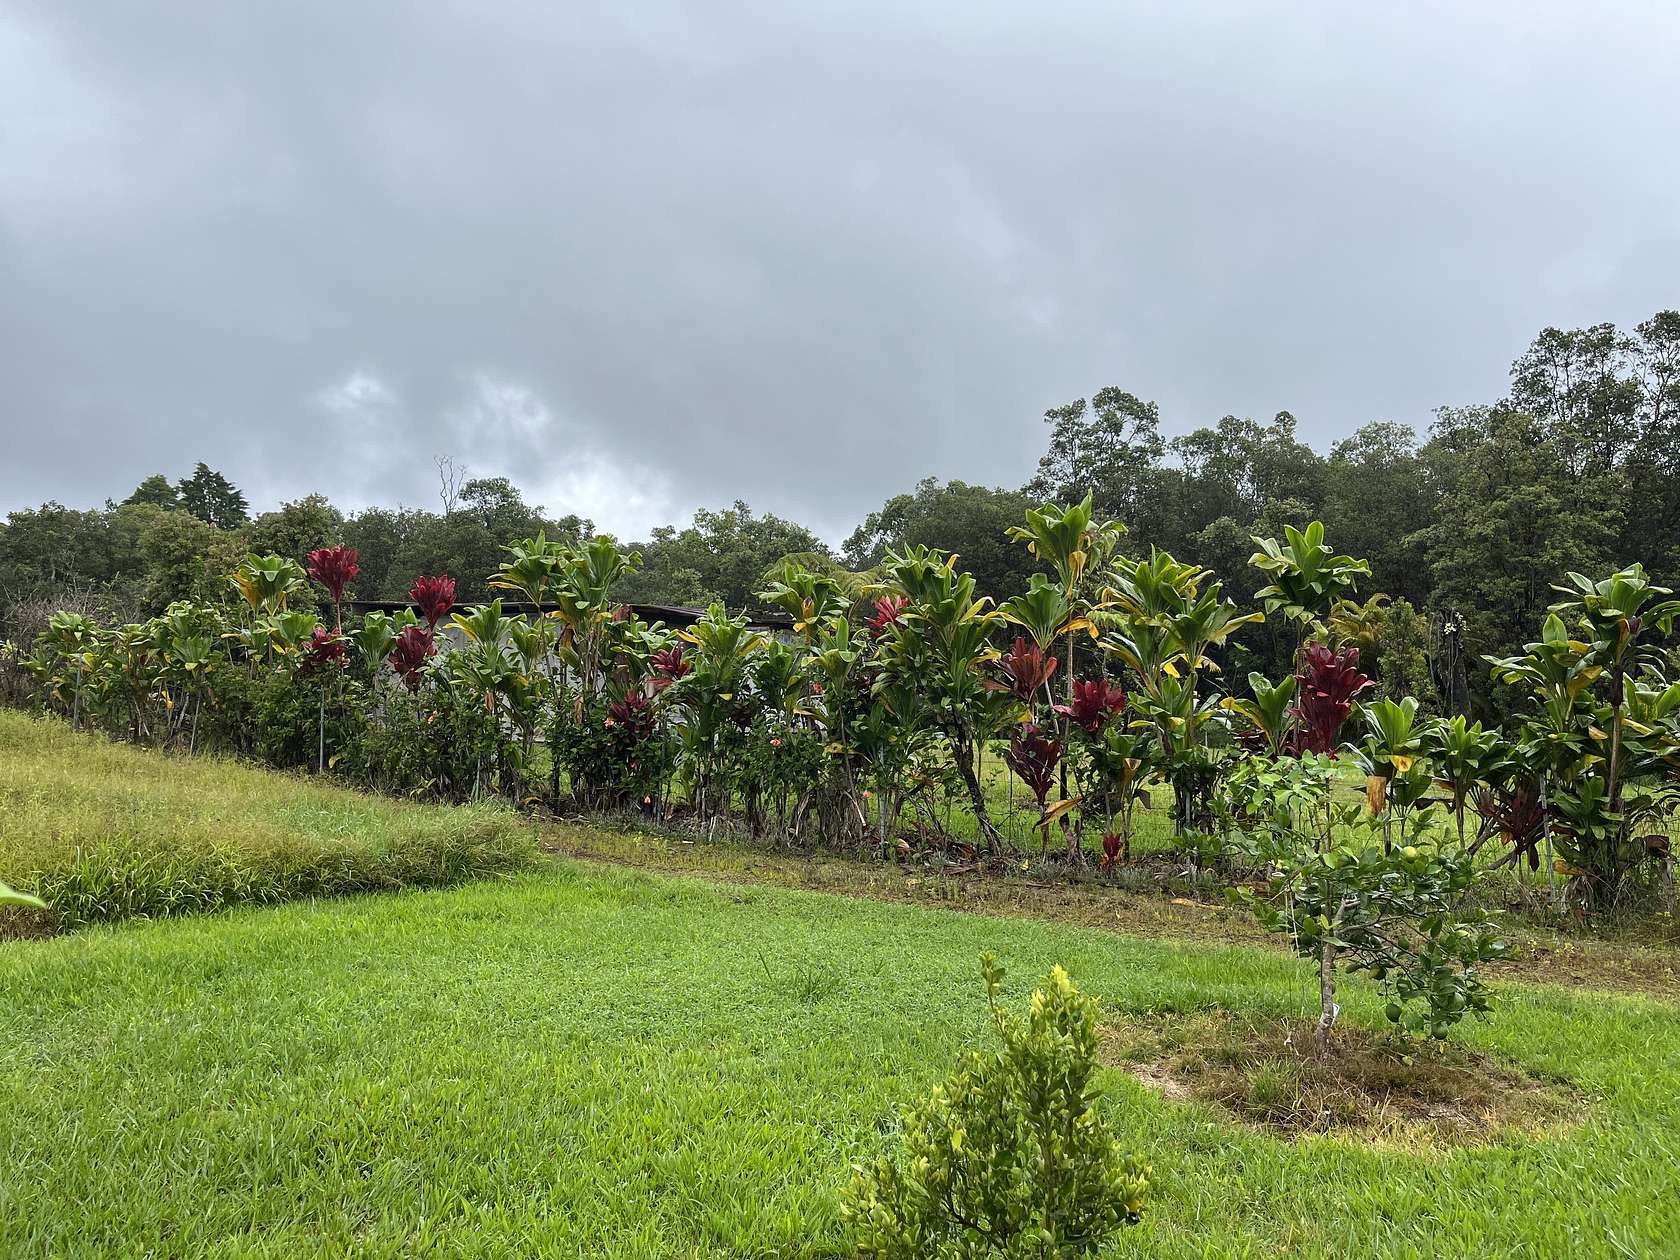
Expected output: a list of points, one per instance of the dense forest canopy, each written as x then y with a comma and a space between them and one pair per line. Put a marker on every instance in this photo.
1466, 526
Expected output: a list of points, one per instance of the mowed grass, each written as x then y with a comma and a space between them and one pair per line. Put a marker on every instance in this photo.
581, 1061
106, 831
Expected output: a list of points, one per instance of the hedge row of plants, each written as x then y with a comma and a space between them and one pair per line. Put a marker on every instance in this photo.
1100, 684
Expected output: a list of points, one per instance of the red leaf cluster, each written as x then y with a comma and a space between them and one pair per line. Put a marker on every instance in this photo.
1034, 756
334, 568
324, 647
1114, 850
415, 646
1514, 811
434, 596
633, 714
888, 609
1094, 703
1026, 669
1328, 683
670, 663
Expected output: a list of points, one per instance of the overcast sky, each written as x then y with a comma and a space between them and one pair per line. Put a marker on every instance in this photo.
645, 257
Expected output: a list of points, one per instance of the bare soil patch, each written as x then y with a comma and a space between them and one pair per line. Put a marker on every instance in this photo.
1265, 1072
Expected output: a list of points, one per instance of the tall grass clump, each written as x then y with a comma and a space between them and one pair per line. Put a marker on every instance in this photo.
102, 831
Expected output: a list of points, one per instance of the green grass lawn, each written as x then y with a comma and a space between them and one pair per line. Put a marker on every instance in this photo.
582, 1061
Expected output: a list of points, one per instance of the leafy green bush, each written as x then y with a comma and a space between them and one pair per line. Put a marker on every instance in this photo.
1345, 898
1010, 1156
616, 755
440, 745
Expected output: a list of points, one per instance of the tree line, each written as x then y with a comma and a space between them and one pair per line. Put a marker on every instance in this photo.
1466, 526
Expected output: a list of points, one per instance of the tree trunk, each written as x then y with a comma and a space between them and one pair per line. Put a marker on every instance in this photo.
964, 755
1326, 997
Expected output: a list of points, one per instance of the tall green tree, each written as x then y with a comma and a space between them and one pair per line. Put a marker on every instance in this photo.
723, 556
969, 521
1512, 518
157, 491
297, 528
1381, 502
213, 498
1111, 448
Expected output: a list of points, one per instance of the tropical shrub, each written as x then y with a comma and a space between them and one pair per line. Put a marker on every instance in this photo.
1602, 727
1010, 1156
1109, 678
1396, 913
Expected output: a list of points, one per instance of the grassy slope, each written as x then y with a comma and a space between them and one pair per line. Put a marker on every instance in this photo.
103, 831
594, 1062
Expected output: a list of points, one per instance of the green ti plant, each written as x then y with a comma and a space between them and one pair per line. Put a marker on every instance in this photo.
1163, 620
942, 647
1392, 755
1595, 673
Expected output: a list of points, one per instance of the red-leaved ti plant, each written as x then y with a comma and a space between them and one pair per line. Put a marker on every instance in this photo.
324, 647
1114, 850
415, 646
1034, 756
1094, 702
334, 568
669, 664
633, 714
888, 609
434, 597
1026, 669
1329, 682
1514, 813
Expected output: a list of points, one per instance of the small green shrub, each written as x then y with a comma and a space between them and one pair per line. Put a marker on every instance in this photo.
1346, 899
1010, 1156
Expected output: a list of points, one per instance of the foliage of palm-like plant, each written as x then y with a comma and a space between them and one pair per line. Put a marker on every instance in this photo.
1600, 707
1621, 616
1078, 548
1393, 758
942, 646
809, 598
1045, 612
334, 568
1164, 619
1269, 714
891, 686
584, 605
713, 699
1465, 757
434, 597
268, 583
1326, 687
64, 660
1306, 579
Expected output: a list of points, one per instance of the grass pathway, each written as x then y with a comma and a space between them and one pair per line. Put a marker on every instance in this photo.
593, 1061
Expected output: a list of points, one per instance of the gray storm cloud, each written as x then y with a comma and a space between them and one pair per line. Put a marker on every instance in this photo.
645, 257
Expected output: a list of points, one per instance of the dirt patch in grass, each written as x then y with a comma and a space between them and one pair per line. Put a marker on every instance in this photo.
1266, 1073
1139, 900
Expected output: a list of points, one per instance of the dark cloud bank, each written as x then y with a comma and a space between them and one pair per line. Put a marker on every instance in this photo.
644, 257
